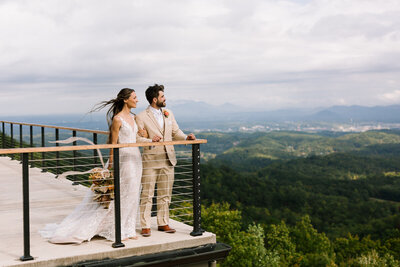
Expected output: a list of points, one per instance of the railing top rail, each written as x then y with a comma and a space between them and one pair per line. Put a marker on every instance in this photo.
87, 147
58, 127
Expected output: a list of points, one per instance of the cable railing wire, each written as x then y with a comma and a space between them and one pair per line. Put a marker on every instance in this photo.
87, 181
184, 205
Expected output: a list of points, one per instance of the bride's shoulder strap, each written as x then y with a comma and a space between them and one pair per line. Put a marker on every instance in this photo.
119, 119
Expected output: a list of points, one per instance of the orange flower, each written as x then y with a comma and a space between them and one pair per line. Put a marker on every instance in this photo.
166, 114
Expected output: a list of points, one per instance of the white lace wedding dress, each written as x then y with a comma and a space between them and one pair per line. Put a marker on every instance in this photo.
90, 218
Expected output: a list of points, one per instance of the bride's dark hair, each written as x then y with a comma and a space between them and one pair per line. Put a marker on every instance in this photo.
117, 104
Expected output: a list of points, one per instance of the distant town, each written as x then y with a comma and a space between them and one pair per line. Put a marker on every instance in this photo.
318, 127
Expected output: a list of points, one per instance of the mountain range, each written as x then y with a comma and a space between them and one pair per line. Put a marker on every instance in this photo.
205, 112
193, 114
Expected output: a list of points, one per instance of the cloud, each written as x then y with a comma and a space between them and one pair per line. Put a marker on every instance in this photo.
272, 53
392, 97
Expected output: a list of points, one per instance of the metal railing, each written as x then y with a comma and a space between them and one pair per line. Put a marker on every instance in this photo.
38, 135
33, 151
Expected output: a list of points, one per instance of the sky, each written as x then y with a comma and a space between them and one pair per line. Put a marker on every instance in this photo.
64, 56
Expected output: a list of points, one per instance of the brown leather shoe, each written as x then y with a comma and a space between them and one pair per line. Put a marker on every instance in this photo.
146, 232
167, 229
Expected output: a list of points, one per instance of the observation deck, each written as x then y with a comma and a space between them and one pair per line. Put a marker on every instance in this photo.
24, 211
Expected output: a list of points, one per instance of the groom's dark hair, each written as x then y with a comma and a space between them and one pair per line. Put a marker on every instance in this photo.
153, 92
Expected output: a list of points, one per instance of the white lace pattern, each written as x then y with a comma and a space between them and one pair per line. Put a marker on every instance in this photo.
89, 218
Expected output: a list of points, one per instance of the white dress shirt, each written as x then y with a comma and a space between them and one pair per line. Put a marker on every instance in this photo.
159, 116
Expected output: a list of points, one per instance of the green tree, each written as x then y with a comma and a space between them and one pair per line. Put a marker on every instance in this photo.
393, 247
248, 249
278, 241
247, 246
315, 247
372, 259
352, 247
220, 220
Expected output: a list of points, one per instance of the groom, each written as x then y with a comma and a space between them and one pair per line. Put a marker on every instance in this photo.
158, 161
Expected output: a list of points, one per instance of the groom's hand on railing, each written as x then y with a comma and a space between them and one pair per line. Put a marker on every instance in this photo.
191, 136
156, 138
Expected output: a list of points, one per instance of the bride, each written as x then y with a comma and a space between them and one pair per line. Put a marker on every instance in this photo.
90, 218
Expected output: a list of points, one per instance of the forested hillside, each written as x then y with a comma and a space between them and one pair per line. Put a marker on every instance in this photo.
302, 199
348, 185
257, 149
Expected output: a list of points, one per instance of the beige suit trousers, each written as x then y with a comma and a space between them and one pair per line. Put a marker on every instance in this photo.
164, 177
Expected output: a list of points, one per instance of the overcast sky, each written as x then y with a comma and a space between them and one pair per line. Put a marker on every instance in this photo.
62, 56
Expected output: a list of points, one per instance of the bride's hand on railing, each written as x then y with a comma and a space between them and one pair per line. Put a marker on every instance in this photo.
143, 133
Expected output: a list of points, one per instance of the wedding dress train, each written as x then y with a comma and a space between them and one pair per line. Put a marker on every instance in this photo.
90, 218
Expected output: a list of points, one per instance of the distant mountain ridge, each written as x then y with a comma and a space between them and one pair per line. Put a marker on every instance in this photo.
195, 114
205, 112
359, 114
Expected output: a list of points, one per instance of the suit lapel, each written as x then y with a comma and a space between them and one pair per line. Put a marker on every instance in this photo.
165, 122
150, 114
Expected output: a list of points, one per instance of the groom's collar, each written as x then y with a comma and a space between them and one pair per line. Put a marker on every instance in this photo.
154, 110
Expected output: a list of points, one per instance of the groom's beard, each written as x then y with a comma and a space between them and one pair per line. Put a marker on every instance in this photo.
161, 104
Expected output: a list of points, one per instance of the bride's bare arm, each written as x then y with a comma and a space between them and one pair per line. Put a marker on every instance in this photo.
114, 132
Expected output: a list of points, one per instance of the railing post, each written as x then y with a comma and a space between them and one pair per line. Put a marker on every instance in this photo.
196, 191
95, 150
57, 152
20, 140
43, 153
12, 135
74, 153
20, 135
12, 138
117, 204
3, 143
25, 190
31, 139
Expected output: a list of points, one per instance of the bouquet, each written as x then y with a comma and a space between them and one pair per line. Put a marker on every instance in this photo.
102, 179
102, 186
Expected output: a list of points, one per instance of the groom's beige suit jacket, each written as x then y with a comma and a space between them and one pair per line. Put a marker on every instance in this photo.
152, 156
158, 166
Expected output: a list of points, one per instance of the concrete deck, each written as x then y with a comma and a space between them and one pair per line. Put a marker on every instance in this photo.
47, 195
